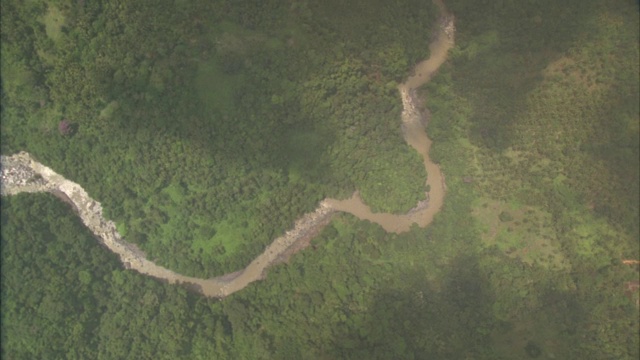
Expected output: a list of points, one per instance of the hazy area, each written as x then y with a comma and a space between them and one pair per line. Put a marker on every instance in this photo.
207, 129
21, 173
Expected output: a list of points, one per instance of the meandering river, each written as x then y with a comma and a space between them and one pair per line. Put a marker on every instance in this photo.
21, 173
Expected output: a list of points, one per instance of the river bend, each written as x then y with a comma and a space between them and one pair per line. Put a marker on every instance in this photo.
21, 173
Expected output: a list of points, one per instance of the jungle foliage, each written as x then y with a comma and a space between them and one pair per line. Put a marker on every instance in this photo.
206, 128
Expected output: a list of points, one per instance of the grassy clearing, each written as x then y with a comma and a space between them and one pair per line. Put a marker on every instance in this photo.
521, 232
228, 238
107, 112
53, 21
554, 169
217, 238
514, 340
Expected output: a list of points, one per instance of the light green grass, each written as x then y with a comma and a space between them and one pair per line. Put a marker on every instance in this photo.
176, 192
108, 110
228, 234
511, 342
122, 229
53, 21
528, 236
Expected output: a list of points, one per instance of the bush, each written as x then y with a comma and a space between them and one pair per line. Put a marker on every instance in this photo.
505, 216
65, 128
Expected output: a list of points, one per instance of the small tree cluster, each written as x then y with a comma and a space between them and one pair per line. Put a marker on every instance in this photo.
65, 127
505, 216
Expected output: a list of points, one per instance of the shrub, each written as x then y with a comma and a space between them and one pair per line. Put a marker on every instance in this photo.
65, 127
505, 216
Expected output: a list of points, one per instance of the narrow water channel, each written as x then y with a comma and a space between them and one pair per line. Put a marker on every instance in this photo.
21, 173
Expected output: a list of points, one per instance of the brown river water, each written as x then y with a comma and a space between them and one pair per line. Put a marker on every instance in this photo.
19, 174
416, 136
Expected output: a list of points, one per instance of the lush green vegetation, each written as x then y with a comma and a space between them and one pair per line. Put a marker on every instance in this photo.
205, 129
543, 108
213, 134
65, 297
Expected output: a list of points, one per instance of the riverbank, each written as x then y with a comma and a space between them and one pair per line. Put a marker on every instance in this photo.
21, 173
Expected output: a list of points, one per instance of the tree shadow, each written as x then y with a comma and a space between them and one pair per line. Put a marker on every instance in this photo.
497, 76
465, 316
418, 319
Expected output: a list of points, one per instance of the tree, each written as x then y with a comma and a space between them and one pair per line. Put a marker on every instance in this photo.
505, 216
65, 128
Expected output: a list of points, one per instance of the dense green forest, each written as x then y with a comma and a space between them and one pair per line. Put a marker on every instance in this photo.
207, 127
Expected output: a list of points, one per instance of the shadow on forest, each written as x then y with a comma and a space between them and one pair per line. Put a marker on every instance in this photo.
617, 144
266, 110
247, 132
498, 75
425, 319
454, 319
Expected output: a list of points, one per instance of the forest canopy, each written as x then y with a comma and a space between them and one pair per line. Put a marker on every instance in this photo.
205, 128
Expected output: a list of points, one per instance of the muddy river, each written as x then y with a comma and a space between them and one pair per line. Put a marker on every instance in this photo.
21, 173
